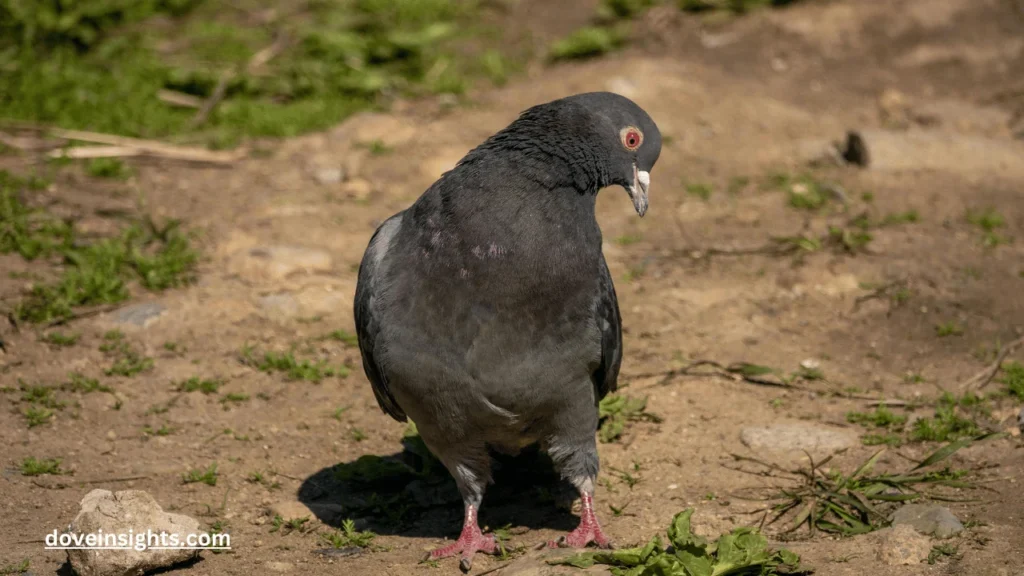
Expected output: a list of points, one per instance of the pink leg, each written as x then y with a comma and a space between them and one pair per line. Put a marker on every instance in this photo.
588, 531
470, 541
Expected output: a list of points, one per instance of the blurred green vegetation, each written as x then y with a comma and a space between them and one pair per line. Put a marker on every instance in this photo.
101, 64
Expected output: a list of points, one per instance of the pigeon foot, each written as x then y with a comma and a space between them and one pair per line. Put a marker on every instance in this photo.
588, 531
470, 541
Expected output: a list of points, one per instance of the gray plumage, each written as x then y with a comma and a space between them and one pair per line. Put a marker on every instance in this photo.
485, 311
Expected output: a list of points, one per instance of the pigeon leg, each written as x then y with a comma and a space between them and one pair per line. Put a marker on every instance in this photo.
589, 529
470, 465
470, 541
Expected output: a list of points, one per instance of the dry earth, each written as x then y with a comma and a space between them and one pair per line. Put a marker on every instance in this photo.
934, 86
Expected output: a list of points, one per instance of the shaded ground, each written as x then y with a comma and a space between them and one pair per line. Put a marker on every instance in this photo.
934, 86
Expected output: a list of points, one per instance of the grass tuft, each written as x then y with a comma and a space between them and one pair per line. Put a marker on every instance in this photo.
292, 367
33, 467
616, 412
348, 536
207, 476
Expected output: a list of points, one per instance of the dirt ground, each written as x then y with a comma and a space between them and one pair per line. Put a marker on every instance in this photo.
935, 87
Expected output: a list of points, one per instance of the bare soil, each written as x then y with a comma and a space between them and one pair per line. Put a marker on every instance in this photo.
935, 84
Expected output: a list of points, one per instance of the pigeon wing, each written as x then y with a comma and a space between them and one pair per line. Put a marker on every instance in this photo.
368, 320
606, 376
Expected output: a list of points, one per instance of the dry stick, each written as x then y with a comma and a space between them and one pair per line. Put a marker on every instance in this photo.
151, 147
175, 98
982, 378
97, 152
218, 94
84, 314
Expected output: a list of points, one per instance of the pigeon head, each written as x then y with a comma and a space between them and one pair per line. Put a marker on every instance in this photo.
587, 141
624, 141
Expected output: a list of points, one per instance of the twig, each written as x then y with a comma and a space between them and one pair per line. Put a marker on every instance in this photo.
25, 143
495, 569
149, 147
981, 379
267, 54
84, 314
175, 98
218, 94
96, 152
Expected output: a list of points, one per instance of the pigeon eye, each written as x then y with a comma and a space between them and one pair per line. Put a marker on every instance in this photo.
632, 138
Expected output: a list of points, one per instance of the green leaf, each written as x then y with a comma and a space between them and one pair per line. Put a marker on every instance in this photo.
695, 565
680, 536
948, 450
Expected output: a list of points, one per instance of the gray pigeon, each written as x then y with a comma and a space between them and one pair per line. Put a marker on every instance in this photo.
485, 311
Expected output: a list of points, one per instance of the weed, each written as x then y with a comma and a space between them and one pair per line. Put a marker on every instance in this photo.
208, 476
83, 385
803, 192
348, 536
377, 147
887, 439
357, 434
60, 339
293, 368
882, 417
913, 378
988, 220
339, 411
235, 398
161, 431
950, 328
850, 240
98, 273
737, 185
1013, 377
15, 569
618, 511
587, 42
848, 504
628, 239
946, 424
943, 551
616, 411
908, 217
28, 232
107, 168
744, 550
32, 467
702, 191
204, 385
36, 416
279, 524
346, 338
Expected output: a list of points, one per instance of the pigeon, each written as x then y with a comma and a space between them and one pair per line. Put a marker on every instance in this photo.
485, 311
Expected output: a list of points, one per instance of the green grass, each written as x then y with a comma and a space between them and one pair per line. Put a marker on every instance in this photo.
947, 424
896, 218
15, 569
163, 430
93, 273
127, 361
948, 329
989, 221
628, 239
345, 337
207, 476
204, 385
60, 339
700, 190
29, 232
80, 384
234, 398
803, 191
588, 42
37, 416
292, 367
33, 467
107, 168
881, 417
85, 68
348, 536
1013, 377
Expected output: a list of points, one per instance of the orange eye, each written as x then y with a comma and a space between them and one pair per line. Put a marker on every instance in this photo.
632, 138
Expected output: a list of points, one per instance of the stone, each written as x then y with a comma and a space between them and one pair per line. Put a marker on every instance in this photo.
281, 261
941, 150
328, 176
325, 512
358, 189
106, 512
928, 519
139, 315
280, 566
901, 545
283, 305
796, 438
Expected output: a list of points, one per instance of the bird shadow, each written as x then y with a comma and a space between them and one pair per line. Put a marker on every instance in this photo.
410, 493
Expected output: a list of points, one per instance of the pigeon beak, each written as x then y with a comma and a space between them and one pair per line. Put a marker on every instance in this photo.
638, 191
